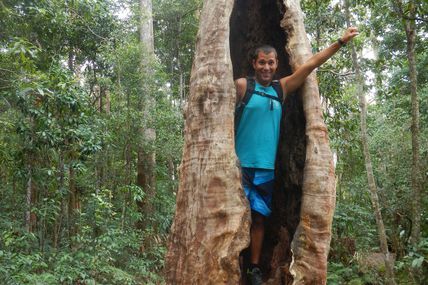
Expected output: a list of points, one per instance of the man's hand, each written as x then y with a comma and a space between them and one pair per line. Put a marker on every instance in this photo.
349, 34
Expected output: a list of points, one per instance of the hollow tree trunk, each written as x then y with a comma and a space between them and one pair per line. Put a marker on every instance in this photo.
211, 224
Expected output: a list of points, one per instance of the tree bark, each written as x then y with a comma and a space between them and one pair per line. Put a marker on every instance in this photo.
389, 263
311, 242
211, 224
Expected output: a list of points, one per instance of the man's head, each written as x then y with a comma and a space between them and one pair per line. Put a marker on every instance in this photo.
265, 63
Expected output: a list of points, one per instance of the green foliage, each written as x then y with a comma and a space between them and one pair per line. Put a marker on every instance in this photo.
352, 273
415, 264
176, 24
100, 254
61, 63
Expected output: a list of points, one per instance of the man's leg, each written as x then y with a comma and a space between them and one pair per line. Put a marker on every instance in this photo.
258, 186
257, 233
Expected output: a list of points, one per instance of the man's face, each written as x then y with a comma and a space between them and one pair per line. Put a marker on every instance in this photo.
265, 67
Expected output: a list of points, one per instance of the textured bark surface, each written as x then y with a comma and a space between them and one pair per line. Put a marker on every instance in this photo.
211, 224
311, 242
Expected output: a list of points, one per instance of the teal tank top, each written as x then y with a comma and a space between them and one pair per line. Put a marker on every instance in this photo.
257, 136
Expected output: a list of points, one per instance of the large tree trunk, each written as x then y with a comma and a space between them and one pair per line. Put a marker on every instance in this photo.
389, 263
211, 224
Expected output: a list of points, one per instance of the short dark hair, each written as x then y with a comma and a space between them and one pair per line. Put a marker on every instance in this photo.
266, 49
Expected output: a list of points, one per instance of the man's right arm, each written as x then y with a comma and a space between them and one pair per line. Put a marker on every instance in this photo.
295, 80
241, 87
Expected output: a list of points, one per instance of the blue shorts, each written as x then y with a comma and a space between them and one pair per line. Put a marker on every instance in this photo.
258, 186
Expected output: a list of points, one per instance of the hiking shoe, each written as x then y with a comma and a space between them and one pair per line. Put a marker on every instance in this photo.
255, 276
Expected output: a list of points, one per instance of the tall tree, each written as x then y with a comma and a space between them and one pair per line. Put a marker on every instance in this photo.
211, 224
146, 151
389, 264
408, 19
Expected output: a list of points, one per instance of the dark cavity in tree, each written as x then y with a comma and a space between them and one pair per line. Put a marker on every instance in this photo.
252, 24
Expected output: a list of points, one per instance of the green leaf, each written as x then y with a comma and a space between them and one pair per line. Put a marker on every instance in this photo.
417, 263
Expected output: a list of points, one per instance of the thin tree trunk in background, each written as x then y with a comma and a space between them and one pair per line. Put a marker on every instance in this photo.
62, 214
107, 101
101, 164
180, 67
73, 203
211, 223
146, 164
58, 218
73, 195
70, 61
99, 171
171, 170
410, 28
389, 263
128, 171
30, 216
127, 153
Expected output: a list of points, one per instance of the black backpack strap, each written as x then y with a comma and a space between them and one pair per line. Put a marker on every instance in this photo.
278, 89
251, 83
251, 86
263, 94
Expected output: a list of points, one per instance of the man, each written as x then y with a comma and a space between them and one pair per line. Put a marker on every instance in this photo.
257, 134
